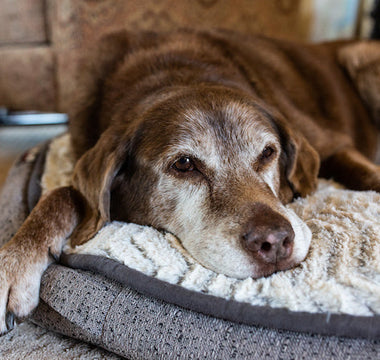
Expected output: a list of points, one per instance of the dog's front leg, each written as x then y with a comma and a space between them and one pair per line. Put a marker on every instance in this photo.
37, 244
352, 169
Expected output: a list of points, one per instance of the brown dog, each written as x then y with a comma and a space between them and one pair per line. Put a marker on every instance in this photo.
206, 135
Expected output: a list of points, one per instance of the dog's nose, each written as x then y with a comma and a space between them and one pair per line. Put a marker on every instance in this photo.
268, 236
270, 245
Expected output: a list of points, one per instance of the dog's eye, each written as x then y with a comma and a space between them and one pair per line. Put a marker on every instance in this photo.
267, 153
184, 164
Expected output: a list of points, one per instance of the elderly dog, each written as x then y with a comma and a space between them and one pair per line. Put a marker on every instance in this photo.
206, 135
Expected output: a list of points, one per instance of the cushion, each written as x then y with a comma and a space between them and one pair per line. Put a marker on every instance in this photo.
146, 313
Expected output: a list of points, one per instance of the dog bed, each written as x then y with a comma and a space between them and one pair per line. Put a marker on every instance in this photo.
144, 296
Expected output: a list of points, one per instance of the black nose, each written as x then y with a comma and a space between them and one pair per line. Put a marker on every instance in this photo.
268, 236
268, 244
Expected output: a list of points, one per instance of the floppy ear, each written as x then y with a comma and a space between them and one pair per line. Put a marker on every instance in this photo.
300, 164
93, 176
99, 159
95, 168
362, 62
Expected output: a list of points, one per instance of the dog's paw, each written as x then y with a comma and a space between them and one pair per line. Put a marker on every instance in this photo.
20, 276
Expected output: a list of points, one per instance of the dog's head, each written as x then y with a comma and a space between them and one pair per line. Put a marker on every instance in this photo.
211, 165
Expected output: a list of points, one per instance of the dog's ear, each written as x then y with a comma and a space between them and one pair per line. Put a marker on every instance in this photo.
93, 176
362, 62
96, 169
300, 164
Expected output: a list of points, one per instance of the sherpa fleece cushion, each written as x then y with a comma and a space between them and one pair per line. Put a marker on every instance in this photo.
113, 315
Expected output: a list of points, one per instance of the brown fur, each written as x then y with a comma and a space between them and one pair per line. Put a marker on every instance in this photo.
143, 95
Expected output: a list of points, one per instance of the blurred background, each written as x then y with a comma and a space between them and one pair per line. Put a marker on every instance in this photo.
40, 39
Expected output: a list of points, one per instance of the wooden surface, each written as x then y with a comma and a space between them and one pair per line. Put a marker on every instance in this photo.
22, 21
27, 78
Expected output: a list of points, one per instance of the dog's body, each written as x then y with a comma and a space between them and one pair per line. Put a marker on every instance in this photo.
206, 135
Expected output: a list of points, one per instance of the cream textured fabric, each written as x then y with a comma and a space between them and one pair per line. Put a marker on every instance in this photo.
341, 273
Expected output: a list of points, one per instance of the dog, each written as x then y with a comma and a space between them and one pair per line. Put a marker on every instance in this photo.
207, 135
